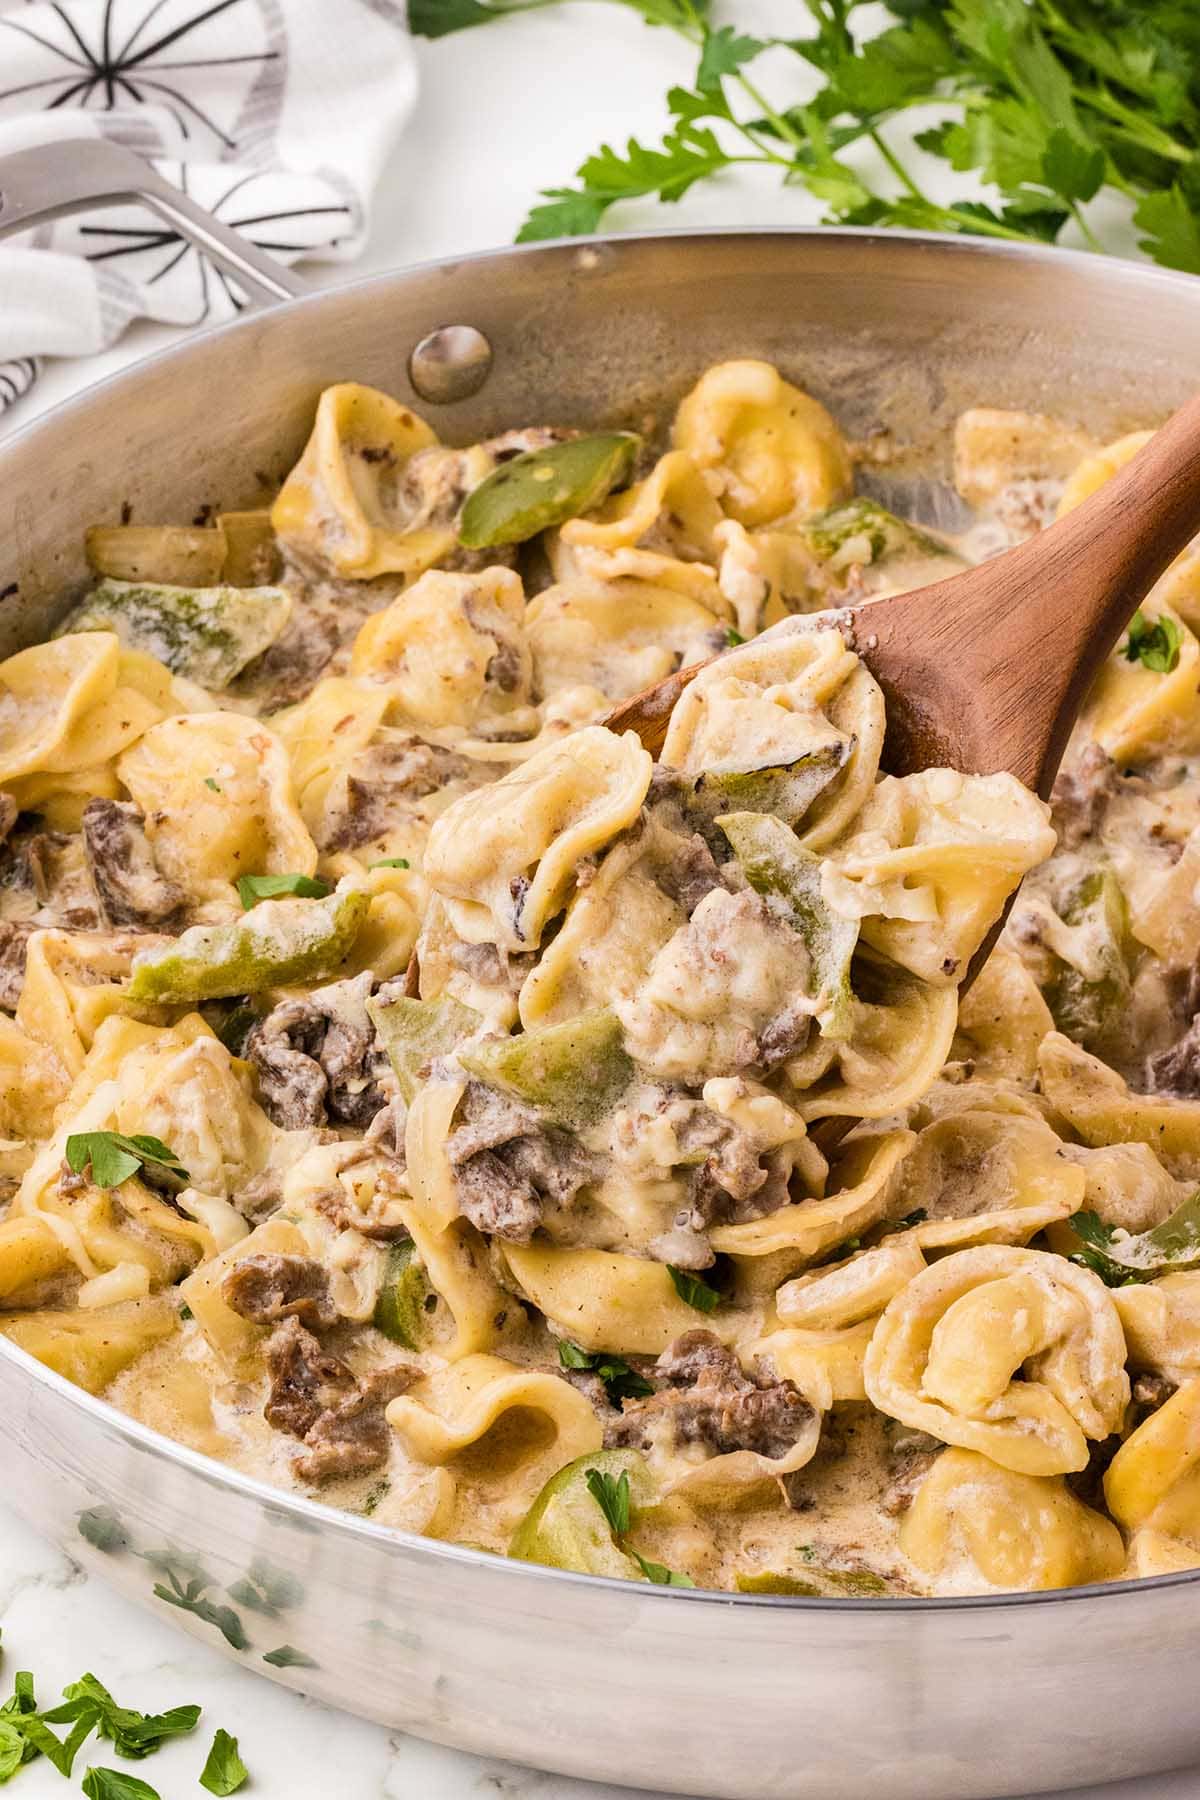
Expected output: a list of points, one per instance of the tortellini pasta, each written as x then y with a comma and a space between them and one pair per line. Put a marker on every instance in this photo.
413, 1090
945, 1352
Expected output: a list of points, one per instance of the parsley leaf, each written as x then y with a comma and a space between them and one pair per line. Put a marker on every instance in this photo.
687, 154
111, 1784
224, 1771
1120, 1257
724, 53
253, 888
611, 1494
621, 1381
693, 1291
1171, 228
133, 1734
659, 1574
732, 637
1155, 645
391, 862
113, 1158
210, 783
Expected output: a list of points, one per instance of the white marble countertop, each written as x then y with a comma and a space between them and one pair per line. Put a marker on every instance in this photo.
503, 111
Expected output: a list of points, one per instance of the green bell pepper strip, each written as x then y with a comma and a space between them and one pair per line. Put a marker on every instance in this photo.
206, 634
573, 1073
779, 868
279, 942
413, 1032
565, 1529
530, 493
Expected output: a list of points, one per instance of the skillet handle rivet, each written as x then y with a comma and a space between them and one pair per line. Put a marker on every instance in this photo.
452, 363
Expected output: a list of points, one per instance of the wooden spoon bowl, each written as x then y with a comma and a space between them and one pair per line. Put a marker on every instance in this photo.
987, 670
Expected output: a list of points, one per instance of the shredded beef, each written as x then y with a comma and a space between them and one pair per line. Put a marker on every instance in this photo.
305, 1381
912, 1455
130, 885
14, 942
382, 780
1152, 1391
686, 871
708, 1399
316, 1058
289, 669
786, 1035
509, 1166
1081, 795
318, 1399
267, 1288
1177, 1071
352, 1436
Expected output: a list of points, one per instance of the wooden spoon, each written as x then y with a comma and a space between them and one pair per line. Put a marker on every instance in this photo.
988, 670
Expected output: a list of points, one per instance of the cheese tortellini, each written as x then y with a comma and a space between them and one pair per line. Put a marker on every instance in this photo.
413, 1090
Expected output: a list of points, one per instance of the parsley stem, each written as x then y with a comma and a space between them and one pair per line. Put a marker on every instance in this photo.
786, 130
895, 165
1089, 236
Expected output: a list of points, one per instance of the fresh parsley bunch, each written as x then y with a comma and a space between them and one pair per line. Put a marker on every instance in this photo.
1052, 103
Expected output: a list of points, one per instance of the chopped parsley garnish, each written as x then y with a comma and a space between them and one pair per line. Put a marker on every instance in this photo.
390, 862
1154, 644
693, 1291
659, 1574
224, 1771
253, 888
732, 637
611, 1494
114, 1158
621, 1382
210, 783
111, 1784
87, 1707
131, 1733
1121, 1258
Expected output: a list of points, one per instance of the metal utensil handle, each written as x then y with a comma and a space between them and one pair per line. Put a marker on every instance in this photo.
73, 175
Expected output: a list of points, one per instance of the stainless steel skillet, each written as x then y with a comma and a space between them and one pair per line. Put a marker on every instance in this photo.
702, 1694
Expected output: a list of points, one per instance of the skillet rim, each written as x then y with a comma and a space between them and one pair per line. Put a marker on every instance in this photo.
317, 1514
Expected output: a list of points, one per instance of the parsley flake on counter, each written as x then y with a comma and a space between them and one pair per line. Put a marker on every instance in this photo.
114, 1158
1154, 644
111, 1784
253, 888
693, 1291
621, 1382
224, 1771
